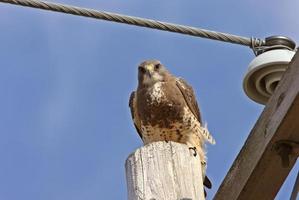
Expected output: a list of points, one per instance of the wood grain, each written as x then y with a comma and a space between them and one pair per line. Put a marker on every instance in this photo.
164, 171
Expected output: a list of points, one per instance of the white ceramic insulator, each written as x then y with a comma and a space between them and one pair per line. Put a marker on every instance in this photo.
264, 73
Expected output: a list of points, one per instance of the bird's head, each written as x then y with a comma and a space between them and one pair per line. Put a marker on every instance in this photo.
151, 72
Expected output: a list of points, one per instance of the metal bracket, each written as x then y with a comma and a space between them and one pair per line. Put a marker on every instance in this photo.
286, 148
273, 42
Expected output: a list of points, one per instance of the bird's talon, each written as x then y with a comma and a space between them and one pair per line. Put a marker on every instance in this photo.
194, 150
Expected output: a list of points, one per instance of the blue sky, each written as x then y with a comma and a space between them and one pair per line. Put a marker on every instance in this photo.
65, 126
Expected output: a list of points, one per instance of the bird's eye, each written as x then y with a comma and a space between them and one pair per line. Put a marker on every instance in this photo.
141, 69
157, 66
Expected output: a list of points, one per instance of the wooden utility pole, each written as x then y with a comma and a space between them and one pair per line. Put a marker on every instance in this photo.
271, 148
163, 171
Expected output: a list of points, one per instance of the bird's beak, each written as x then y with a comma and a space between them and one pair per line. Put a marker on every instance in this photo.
150, 70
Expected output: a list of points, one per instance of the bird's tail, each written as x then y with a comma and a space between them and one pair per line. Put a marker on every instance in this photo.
207, 183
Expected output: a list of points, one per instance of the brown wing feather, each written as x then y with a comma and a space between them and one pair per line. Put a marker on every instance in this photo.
134, 113
189, 97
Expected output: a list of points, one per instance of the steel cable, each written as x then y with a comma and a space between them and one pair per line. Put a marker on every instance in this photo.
225, 37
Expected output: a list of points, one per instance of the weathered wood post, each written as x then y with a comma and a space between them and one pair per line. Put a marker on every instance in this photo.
259, 170
164, 171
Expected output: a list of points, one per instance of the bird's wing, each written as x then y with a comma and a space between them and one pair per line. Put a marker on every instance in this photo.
191, 102
189, 97
134, 113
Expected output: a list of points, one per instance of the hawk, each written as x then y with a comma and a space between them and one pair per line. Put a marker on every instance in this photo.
164, 108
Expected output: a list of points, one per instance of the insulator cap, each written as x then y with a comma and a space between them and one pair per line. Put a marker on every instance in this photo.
265, 70
280, 40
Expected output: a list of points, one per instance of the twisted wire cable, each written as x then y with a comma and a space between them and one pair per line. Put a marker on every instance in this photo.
56, 7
